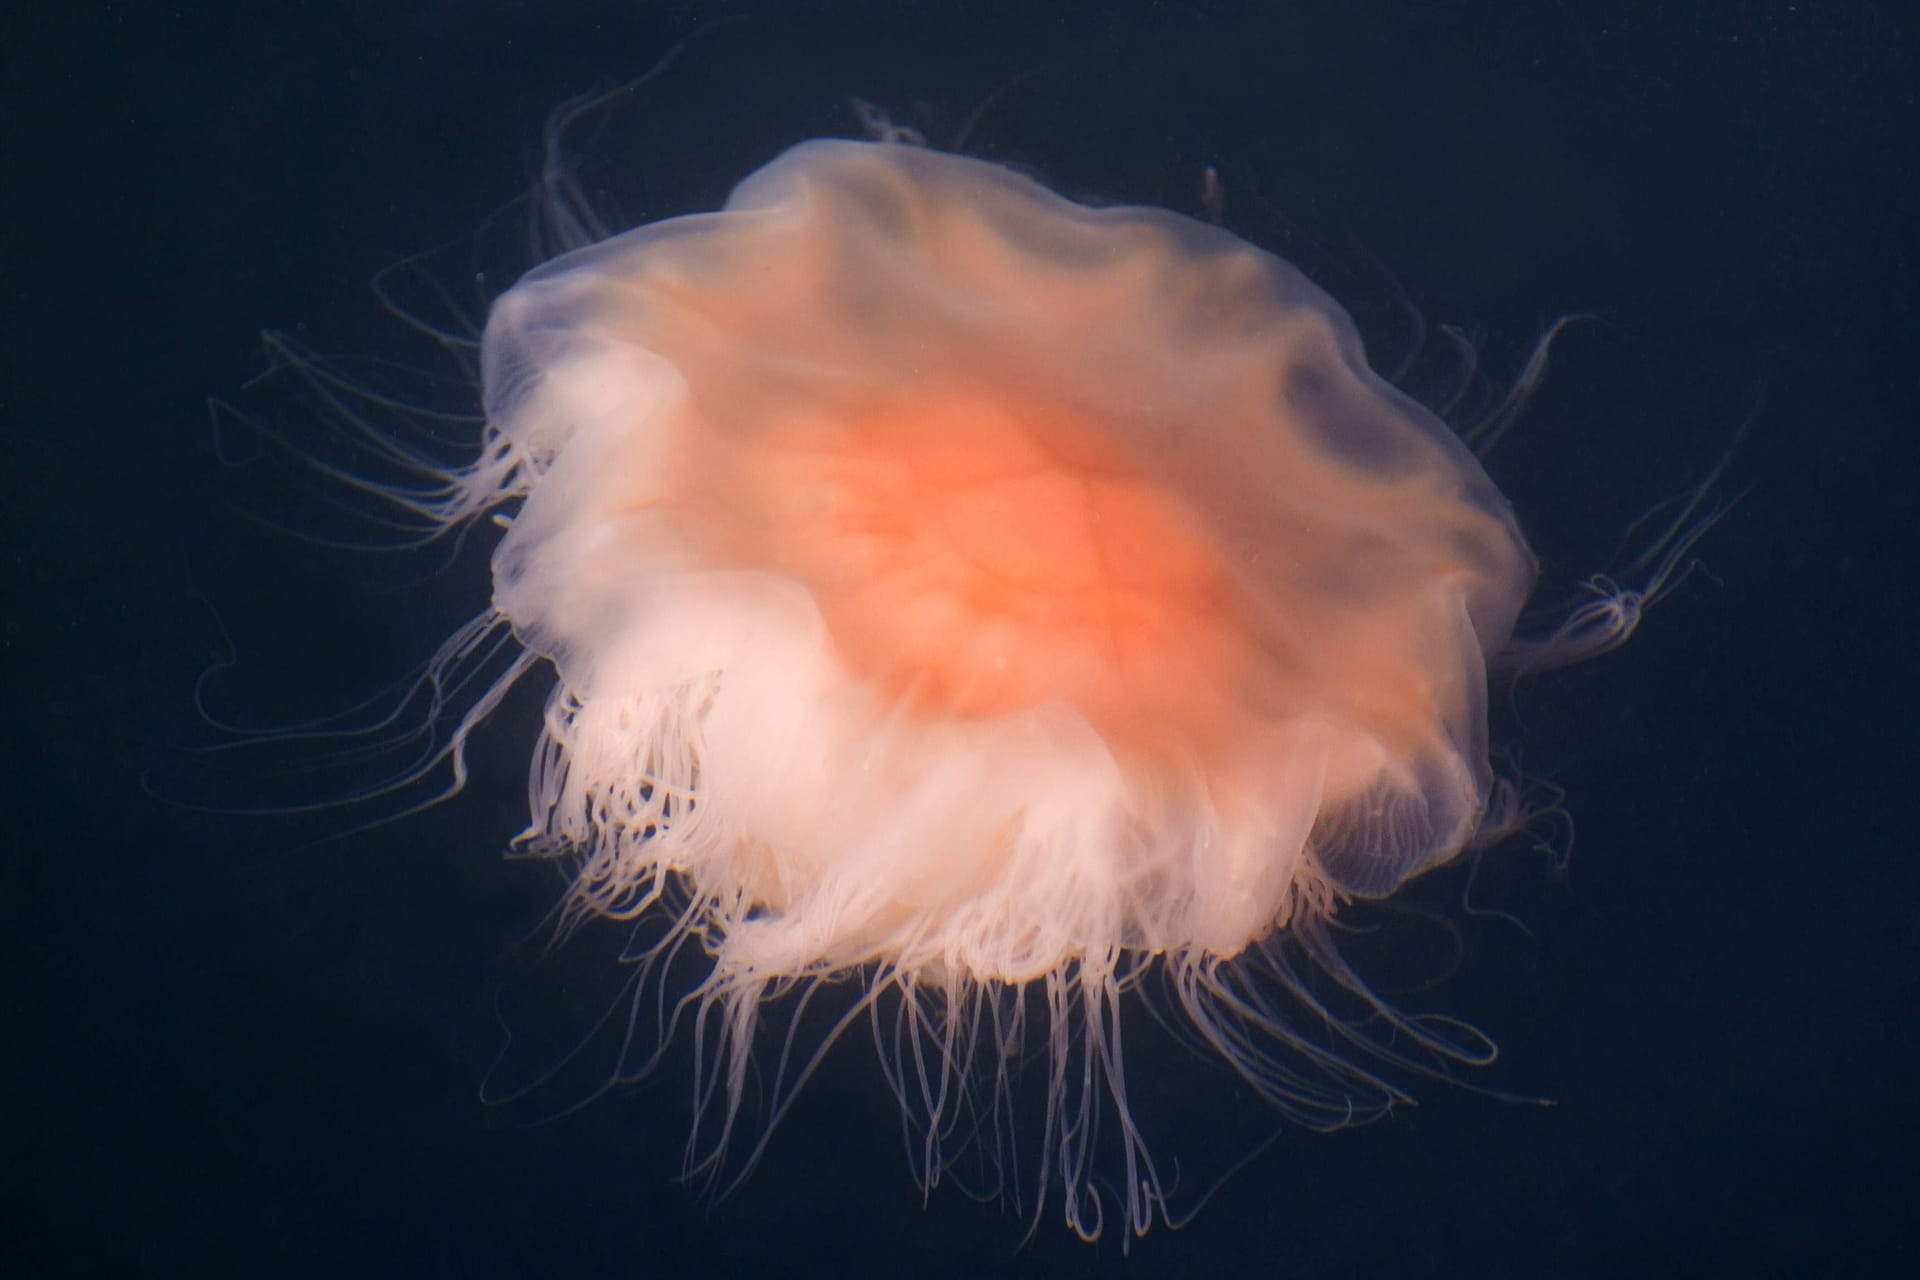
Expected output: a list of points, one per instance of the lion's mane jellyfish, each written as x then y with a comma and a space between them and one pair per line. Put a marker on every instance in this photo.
997, 599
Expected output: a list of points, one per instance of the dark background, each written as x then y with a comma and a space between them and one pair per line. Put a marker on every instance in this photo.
233, 1051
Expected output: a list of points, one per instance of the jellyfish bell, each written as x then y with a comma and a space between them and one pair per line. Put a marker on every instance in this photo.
979, 593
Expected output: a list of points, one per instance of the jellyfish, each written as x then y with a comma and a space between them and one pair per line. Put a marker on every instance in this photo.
995, 600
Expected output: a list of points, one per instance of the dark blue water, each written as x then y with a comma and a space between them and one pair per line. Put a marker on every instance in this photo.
232, 1051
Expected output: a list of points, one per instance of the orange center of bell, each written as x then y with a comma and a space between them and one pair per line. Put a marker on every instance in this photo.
971, 561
